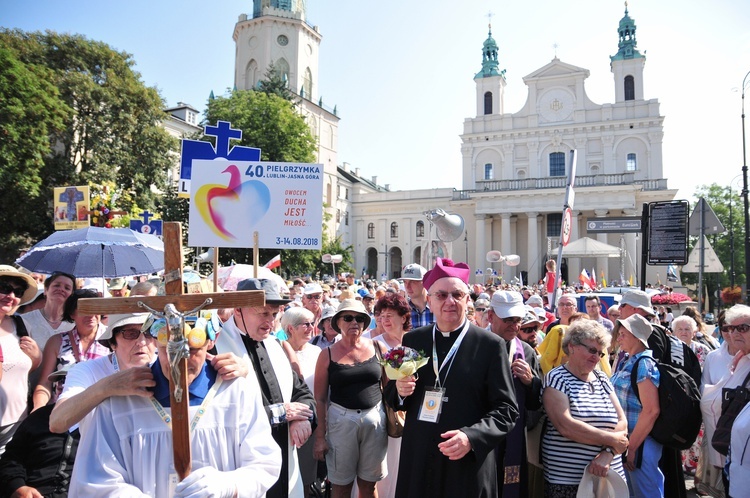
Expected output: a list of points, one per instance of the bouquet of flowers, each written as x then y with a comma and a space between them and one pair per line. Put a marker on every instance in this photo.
402, 362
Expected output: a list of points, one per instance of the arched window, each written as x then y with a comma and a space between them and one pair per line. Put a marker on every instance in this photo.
394, 230
420, 228
488, 171
631, 164
557, 164
629, 88
307, 83
283, 67
371, 231
487, 103
251, 75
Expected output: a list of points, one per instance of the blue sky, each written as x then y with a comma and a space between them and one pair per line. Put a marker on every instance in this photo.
400, 73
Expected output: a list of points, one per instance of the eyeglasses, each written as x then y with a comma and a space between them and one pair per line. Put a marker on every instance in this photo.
349, 318
741, 328
132, 333
306, 324
442, 296
566, 305
595, 351
480, 310
7, 288
314, 296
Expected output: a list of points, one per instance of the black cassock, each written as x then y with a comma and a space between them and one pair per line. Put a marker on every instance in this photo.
480, 402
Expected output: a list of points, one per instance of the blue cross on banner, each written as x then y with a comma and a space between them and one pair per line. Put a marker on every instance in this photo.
197, 149
143, 225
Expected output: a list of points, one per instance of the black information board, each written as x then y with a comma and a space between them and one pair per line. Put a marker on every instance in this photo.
668, 233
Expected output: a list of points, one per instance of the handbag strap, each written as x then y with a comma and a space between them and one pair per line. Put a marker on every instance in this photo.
378, 354
747, 378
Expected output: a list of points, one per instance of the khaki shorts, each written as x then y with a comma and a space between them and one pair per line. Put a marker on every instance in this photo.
357, 444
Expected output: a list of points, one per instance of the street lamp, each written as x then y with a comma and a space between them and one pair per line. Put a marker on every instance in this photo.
744, 190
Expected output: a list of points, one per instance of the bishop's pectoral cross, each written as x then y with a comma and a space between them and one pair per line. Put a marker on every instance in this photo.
175, 305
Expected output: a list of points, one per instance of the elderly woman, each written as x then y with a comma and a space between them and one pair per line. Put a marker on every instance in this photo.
351, 431
588, 426
20, 352
124, 372
298, 323
737, 327
395, 319
74, 346
328, 334
48, 321
642, 465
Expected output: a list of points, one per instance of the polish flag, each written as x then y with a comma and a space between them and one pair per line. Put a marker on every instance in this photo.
584, 279
274, 263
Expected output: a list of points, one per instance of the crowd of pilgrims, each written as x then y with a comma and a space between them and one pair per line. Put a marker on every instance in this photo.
566, 381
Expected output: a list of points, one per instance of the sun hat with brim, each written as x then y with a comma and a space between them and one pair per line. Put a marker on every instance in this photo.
31, 288
638, 299
60, 374
328, 312
535, 300
117, 283
612, 486
638, 326
506, 304
116, 321
350, 305
267, 286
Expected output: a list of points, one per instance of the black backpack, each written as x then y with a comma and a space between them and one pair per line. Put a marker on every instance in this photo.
680, 418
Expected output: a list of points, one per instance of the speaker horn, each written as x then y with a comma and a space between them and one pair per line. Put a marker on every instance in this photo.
326, 258
449, 226
206, 257
497, 257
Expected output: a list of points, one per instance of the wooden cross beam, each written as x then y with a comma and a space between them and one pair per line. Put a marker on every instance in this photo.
182, 302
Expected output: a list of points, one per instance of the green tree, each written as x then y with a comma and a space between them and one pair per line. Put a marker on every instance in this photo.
31, 110
721, 201
112, 131
270, 123
276, 84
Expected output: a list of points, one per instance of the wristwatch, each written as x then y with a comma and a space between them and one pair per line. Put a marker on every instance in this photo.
609, 450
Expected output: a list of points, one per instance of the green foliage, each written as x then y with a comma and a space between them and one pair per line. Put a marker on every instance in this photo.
720, 200
86, 117
275, 84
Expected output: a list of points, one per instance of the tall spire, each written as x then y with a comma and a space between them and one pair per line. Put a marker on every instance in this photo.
627, 46
489, 58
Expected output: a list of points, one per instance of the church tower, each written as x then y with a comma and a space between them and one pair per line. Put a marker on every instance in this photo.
627, 64
490, 82
277, 33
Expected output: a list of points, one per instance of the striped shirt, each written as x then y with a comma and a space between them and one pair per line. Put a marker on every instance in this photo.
564, 459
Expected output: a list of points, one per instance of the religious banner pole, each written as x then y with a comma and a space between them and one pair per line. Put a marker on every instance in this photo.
175, 306
567, 224
256, 256
216, 269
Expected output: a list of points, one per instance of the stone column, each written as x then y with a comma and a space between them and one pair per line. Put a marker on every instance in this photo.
602, 264
531, 261
480, 243
505, 244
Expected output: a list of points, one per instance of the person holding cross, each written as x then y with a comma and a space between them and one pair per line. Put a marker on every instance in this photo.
288, 401
128, 449
461, 405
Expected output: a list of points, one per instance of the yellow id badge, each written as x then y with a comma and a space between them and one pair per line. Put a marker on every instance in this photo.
432, 404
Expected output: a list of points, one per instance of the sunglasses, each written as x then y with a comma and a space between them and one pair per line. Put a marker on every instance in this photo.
131, 334
442, 296
481, 310
741, 328
595, 351
528, 330
7, 288
314, 296
306, 324
350, 318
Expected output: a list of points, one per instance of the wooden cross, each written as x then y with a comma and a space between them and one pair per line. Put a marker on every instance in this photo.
182, 303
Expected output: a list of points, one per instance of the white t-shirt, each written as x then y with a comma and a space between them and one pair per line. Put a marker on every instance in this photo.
308, 358
14, 388
39, 328
84, 375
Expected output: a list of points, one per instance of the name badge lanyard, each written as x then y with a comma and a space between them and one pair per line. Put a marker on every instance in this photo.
449, 357
201, 409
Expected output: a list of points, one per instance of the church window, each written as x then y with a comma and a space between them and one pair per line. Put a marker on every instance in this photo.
631, 164
557, 164
629, 88
338, 216
394, 230
283, 67
487, 103
554, 224
346, 193
307, 83
488, 171
346, 218
420, 228
371, 231
251, 75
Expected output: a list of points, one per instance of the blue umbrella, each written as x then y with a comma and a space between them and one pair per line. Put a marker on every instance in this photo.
96, 252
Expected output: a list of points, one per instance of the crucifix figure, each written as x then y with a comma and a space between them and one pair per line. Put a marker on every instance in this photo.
173, 307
